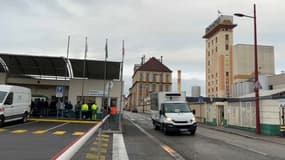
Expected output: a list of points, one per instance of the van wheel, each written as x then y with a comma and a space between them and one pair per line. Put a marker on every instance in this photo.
156, 127
1, 121
25, 117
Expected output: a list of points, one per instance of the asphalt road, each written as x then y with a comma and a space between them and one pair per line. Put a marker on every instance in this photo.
206, 144
38, 140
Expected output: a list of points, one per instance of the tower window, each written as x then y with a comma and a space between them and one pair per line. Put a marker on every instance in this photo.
227, 37
227, 47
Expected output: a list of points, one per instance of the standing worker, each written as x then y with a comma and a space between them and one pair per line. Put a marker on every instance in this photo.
84, 110
113, 112
94, 111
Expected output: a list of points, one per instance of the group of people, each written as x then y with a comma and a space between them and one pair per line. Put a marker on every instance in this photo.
86, 110
64, 109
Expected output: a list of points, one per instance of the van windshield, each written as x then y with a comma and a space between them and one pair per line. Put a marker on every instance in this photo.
2, 96
176, 107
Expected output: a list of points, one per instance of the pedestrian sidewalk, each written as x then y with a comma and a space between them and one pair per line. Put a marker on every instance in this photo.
247, 134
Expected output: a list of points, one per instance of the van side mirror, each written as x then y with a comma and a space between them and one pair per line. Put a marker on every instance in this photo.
194, 111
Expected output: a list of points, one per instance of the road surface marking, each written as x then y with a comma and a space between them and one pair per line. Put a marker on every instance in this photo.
102, 139
63, 120
94, 156
102, 144
59, 132
3, 130
247, 148
166, 148
78, 133
39, 132
119, 148
19, 131
101, 150
105, 135
56, 126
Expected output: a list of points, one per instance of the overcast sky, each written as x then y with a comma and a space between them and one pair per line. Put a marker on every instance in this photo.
169, 28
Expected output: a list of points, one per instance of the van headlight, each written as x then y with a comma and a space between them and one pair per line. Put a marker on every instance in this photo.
193, 119
168, 119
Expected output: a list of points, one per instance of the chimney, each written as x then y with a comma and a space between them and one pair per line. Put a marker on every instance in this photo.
179, 81
160, 59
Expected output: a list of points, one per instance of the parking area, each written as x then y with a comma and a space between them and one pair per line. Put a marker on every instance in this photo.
40, 139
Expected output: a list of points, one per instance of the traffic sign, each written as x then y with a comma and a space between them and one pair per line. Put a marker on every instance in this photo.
59, 91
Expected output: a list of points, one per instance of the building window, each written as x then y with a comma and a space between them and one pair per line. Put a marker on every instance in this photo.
160, 87
208, 63
167, 77
153, 87
227, 47
208, 53
154, 77
217, 89
212, 42
161, 78
216, 39
141, 76
147, 76
208, 44
166, 88
216, 49
227, 37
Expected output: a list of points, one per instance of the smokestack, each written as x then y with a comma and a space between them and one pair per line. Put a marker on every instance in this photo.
179, 81
160, 59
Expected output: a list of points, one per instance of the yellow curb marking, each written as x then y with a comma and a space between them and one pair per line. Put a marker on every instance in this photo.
105, 135
19, 131
102, 144
78, 133
101, 150
39, 132
2, 129
59, 132
64, 120
102, 139
94, 156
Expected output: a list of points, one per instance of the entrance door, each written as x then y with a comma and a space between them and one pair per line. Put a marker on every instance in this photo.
221, 116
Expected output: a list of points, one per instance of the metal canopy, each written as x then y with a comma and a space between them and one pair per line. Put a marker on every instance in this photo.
34, 65
24, 65
95, 69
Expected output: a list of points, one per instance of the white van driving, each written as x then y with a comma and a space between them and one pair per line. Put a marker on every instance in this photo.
15, 103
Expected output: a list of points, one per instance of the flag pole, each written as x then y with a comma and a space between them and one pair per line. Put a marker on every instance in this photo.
122, 84
105, 66
66, 63
84, 68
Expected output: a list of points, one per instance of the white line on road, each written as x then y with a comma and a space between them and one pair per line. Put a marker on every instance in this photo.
119, 148
246, 148
166, 148
56, 126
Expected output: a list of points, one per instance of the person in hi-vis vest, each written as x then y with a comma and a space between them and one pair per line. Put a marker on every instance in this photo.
94, 111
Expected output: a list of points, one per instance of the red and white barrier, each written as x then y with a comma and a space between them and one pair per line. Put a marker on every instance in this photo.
69, 151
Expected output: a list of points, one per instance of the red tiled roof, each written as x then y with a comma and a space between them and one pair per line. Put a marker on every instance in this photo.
154, 64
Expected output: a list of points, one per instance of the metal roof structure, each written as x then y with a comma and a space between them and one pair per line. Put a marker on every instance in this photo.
25, 65
95, 69
34, 65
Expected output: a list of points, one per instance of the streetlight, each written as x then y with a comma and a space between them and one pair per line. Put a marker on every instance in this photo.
257, 85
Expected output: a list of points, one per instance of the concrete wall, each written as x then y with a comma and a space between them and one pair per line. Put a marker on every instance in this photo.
3, 78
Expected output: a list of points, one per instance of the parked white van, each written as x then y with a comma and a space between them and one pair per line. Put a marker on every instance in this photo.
15, 103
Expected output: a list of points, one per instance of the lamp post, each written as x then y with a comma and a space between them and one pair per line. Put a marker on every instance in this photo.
256, 85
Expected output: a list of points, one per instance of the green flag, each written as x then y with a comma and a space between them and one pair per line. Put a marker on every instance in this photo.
106, 49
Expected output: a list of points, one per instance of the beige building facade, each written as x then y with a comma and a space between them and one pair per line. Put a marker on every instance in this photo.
219, 52
148, 77
243, 61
